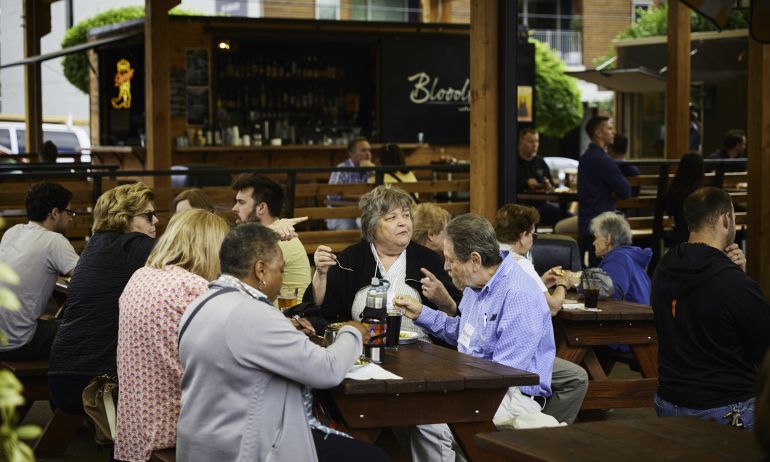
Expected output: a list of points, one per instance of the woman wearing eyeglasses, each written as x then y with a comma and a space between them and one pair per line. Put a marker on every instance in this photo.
515, 229
86, 343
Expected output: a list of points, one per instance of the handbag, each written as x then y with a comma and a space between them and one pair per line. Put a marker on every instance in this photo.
100, 399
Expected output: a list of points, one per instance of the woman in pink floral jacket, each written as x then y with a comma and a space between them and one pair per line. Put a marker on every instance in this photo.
184, 259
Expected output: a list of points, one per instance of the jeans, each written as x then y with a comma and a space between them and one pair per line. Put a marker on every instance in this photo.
724, 414
39, 346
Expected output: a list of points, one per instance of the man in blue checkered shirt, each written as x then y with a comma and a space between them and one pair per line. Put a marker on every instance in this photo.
360, 153
504, 317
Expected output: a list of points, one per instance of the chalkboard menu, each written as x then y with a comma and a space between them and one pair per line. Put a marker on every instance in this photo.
197, 105
196, 92
178, 93
425, 89
197, 66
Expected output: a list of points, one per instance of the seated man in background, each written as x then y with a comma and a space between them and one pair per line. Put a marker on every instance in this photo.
533, 174
504, 316
261, 200
733, 147
38, 252
360, 155
712, 319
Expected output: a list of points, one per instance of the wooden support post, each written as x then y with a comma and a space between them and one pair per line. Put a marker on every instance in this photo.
678, 80
37, 23
758, 134
157, 88
484, 107
446, 11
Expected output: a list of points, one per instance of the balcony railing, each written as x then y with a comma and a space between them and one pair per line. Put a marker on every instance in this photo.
567, 44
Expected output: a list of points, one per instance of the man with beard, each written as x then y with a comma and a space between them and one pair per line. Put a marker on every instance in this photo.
38, 252
712, 320
260, 200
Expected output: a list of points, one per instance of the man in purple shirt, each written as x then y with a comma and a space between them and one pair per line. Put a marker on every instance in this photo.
599, 176
504, 316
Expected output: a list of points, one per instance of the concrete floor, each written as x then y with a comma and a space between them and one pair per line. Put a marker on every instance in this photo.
84, 449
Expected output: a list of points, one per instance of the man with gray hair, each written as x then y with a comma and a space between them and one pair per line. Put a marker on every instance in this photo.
504, 316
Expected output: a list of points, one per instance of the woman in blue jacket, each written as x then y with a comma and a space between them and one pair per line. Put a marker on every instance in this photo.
624, 263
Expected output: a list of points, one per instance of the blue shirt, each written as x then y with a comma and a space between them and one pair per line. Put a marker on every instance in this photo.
598, 177
506, 321
346, 177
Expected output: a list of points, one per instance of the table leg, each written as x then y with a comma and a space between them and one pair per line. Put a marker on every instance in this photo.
570, 353
465, 433
647, 356
594, 366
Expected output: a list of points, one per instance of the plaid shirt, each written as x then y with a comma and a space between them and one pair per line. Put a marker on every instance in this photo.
346, 177
506, 321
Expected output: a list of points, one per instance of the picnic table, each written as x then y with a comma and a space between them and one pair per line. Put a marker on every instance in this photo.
670, 438
580, 334
439, 386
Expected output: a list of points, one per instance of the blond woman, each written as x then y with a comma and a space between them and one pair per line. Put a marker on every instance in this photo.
185, 258
85, 345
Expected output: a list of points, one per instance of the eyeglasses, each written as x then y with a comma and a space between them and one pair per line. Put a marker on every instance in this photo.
71, 212
148, 215
534, 234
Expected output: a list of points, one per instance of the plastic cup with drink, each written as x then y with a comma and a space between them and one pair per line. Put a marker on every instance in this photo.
591, 286
287, 298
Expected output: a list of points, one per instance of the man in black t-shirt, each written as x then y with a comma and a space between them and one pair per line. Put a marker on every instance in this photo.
533, 174
713, 321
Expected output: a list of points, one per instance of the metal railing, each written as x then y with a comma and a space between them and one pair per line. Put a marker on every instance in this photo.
567, 44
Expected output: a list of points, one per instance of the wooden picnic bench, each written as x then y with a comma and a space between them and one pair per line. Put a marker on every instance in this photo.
581, 334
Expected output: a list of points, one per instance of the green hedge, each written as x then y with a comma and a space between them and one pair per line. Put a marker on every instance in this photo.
557, 99
654, 22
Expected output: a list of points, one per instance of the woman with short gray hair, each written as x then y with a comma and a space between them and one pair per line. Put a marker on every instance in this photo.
625, 264
340, 282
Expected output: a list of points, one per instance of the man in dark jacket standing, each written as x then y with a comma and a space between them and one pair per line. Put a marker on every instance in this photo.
599, 176
712, 320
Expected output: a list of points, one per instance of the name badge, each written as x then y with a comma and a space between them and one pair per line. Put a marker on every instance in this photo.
466, 335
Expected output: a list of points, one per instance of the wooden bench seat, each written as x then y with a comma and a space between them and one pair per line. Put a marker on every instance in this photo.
163, 455
33, 376
61, 428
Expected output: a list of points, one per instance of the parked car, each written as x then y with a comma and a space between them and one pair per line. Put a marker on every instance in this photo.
69, 139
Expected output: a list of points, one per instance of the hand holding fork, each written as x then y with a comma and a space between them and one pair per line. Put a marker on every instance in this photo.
325, 259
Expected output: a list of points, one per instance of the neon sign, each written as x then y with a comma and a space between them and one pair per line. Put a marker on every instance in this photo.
123, 83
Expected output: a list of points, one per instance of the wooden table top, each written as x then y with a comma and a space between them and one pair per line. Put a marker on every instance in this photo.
611, 310
569, 196
669, 438
428, 367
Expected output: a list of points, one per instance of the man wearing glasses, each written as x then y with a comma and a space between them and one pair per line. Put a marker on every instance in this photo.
38, 252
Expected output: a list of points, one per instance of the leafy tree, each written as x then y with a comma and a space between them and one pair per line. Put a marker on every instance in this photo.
76, 65
557, 101
654, 22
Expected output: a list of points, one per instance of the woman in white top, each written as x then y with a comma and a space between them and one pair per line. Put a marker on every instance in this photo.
515, 229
